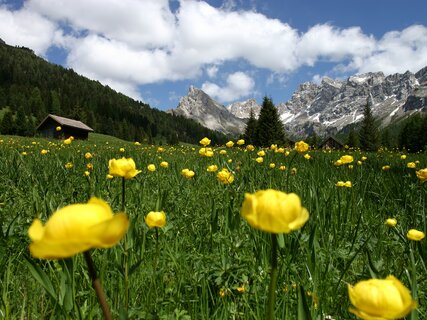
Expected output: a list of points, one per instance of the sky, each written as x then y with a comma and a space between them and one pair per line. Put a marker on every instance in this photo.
234, 50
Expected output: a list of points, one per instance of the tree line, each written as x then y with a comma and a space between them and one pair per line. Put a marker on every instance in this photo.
31, 88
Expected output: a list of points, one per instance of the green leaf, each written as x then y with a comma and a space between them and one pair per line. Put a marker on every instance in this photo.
41, 278
303, 310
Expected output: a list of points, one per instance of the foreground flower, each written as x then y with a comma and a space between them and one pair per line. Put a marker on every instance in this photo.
422, 175
205, 142
155, 219
68, 141
301, 146
240, 142
391, 222
77, 228
378, 299
274, 211
123, 167
225, 176
415, 235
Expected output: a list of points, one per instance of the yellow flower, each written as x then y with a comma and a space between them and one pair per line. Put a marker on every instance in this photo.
415, 235
71, 138
164, 164
205, 142
274, 211
160, 149
23, 153
364, 158
225, 176
346, 159
259, 159
123, 168
58, 128
359, 163
137, 143
240, 142
350, 166
250, 147
422, 175
229, 144
230, 160
68, 141
89, 166
151, 167
386, 168
261, 153
86, 173
206, 152
280, 150
109, 176
282, 168
187, 173
122, 150
411, 165
293, 171
241, 289
403, 156
222, 292
44, 151
68, 165
381, 299
391, 222
77, 228
340, 184
88, 155
272, 165
155, 219
307, 156
223, 152
338, 163
212, 168
348, 184
301, 146
273, 147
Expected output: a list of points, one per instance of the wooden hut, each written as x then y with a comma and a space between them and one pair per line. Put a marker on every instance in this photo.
331, 143
48, 128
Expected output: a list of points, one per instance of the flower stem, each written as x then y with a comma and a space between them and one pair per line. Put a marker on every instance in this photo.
273, 279
126, 251
97, 286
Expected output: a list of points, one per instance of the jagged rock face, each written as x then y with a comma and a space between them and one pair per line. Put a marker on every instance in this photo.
199, 106
325, 108
329, 107
243, 109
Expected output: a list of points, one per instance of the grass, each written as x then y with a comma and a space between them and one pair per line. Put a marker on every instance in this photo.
204, 256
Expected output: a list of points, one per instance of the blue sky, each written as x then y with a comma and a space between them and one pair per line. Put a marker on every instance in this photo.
153, 50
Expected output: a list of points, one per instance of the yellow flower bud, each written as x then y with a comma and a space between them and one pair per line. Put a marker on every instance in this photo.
151, 167
274, 211
391, 222
240, 142
422, 175
155, 219
164, 164
205, 142
229, 144
381, 299
77, 228
415, 235
123, 168
301, 146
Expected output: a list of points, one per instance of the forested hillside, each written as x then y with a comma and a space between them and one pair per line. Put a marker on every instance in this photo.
30, 88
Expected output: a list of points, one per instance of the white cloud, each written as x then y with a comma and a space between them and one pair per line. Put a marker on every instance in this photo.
238, 85
26, 28
132, 42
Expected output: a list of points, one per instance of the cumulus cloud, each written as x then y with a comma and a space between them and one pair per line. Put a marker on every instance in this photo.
238, 85
26, 28
129, 43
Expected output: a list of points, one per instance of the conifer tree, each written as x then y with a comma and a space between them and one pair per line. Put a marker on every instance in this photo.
269, 128
353, 139
250, 129
368, 132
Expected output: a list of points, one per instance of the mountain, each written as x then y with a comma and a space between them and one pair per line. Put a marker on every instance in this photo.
31, 87
197, 105
324, 108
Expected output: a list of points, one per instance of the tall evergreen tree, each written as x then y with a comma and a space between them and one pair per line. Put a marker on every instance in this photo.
353, 139
269, 128
250, 129
7, 125
368, 132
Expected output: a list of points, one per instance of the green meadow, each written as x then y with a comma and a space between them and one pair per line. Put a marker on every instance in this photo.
207, 262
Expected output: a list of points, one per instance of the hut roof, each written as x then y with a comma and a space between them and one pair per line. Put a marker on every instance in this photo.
67, 122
